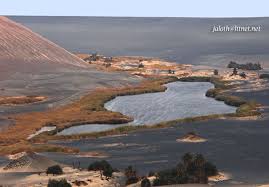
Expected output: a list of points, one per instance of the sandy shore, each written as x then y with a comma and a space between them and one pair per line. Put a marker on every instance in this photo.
73, 176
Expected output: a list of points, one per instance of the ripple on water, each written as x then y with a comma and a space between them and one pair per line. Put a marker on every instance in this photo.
180, 100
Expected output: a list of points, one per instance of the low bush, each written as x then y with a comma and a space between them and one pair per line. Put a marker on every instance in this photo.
195, 79
60, 183
213, 92
131, 175
248, 109
191, 169
145, 182
247, 66
231, 100
54, 170
103, 166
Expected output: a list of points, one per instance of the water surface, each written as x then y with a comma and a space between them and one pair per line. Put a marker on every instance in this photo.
180, 100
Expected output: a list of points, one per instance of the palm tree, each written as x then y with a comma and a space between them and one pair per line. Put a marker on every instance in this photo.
187, 159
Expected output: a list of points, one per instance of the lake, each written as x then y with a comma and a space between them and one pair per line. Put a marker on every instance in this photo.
180, 100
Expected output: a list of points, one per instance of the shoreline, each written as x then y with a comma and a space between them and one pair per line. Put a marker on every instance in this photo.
167, 124
90, 110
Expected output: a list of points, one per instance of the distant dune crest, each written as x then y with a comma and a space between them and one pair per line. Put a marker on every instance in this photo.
20, 44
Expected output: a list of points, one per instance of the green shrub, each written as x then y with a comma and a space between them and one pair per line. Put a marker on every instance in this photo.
60, 183
103, 166
230, 100
145, 183
248, 109
131, 175
195, 79
212, 92
55, 170
210, 169
192, 169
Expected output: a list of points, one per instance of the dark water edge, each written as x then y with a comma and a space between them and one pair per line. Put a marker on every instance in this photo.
180, 100
235, 146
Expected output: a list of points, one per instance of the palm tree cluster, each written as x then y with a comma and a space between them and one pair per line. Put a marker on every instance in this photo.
131, 175
104, 167
193, 168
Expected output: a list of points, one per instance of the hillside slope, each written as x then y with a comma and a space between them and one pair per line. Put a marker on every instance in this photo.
20, 44
32, 65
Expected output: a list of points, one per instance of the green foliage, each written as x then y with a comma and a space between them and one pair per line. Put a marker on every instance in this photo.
103, 166
145, 183
231, 100
192, 169
248, 109
212, 92
131, 175
60, 183
247, 66
55, 170
195, 79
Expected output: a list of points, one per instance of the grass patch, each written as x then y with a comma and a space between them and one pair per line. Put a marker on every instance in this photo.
20, 100
248, 109
245, 109
26, 146
230, 100
89, 109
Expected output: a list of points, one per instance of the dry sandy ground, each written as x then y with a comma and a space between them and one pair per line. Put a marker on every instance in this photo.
92, 179
131, 64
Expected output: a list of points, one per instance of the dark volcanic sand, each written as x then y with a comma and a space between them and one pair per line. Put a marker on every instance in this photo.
236, 147
184, 40
32, 65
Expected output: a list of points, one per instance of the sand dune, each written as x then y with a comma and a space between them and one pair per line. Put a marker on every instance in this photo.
19, 44
28, 162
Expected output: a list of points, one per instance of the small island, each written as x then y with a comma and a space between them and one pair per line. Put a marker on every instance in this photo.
191, 137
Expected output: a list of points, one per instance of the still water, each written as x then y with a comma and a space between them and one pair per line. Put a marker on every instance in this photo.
180, 100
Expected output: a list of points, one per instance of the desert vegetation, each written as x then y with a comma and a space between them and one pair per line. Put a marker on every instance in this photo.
104, 167
58, 183
89, 109
246, 108
145, 182
19, 100
131, 175
193, 168
54, 170
247, 66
